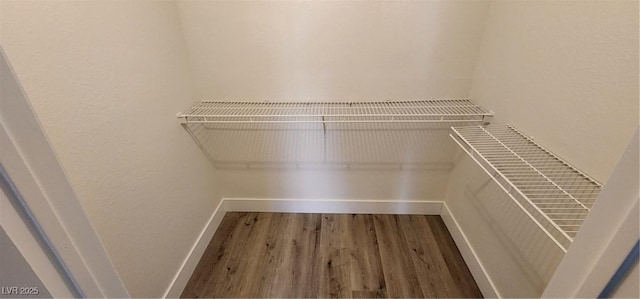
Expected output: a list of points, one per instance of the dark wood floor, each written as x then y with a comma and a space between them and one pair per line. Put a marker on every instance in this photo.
331, 255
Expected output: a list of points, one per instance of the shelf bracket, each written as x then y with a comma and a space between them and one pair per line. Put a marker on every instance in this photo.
324, 126
487, 119
181, 118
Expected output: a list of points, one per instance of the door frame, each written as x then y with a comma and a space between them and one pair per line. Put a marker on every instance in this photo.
44, 189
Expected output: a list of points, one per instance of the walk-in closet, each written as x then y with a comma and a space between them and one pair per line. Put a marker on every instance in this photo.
305, 149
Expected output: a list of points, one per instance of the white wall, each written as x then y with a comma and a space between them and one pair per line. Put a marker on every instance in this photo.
334, 184
517, 256
106, 80
315, 50
318, 50
606, 237
565, 72
43, 191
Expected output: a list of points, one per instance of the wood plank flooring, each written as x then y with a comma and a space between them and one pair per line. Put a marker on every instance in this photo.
287, 255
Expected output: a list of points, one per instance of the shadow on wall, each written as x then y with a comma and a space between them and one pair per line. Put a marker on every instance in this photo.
508, 241
326, 145
528, 245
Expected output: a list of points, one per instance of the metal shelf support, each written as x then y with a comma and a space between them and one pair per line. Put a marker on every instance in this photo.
555, 195
417, 111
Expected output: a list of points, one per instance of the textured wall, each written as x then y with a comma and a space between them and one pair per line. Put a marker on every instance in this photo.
368, 184
315, 50
565, 72
519, 257
318, 50
106, 79
606, 237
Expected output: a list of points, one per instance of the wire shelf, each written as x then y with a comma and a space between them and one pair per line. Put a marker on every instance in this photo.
420, 111
557, 196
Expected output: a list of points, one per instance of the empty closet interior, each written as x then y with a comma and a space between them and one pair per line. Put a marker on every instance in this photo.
516, 122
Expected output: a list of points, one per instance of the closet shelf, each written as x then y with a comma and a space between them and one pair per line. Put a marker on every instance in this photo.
557, 196
420, 111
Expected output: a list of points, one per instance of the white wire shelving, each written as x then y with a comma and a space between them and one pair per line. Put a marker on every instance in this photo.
556, 196
343, 134
418, 111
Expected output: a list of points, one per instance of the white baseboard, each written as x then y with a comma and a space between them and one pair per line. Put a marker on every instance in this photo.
197, 250
478, 271
334, 206
330, 206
